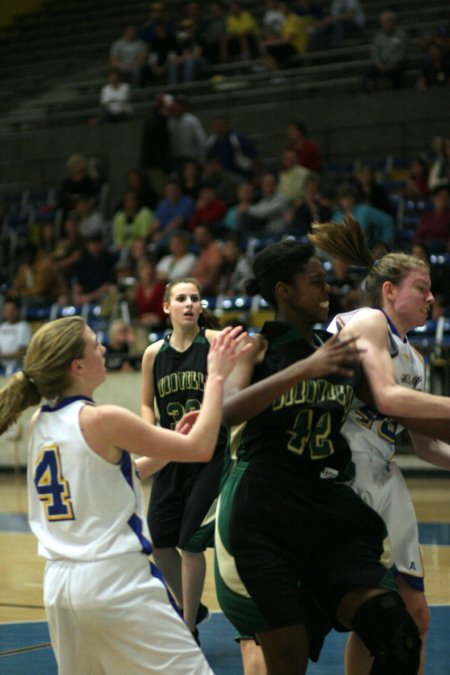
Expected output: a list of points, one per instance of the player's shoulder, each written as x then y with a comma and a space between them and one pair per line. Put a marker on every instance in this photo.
151, 351
359, 317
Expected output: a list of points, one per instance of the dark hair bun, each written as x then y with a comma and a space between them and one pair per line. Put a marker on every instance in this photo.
252, 287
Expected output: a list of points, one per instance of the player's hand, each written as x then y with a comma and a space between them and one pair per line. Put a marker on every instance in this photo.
226, 349
336, 356
187, 422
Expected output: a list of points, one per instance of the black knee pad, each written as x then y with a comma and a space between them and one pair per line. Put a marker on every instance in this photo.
388, 631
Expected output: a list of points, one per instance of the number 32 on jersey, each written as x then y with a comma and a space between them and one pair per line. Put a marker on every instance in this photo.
53, 490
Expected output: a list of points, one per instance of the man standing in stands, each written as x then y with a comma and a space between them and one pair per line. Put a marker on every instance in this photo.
388, 53
235, 149
128, 55
186, 134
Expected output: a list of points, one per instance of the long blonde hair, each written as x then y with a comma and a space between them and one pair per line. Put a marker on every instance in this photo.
46, 366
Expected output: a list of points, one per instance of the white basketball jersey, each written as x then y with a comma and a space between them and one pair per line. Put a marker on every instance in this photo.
81, 507
366, 430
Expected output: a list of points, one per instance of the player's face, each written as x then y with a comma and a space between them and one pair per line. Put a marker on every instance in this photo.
184, 306
93, 359
309, 293
412, 298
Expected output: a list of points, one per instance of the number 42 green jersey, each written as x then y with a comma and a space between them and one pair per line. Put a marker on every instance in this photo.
301, 428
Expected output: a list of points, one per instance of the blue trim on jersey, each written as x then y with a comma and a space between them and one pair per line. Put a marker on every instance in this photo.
392, 327
65, 402
156, 572
135, 522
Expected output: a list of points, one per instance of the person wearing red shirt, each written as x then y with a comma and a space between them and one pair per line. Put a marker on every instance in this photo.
434, 226
308, 154
209, 210
149, 295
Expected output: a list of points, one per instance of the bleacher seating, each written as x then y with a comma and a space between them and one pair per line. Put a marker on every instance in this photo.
62, 80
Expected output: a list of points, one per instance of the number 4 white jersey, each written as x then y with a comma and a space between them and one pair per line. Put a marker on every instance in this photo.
81, 507
366, 430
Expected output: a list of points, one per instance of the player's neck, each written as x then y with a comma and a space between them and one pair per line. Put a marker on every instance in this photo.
182, 338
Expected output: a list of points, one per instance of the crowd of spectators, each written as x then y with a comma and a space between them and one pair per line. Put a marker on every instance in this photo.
202, 217
168, 49
197, 197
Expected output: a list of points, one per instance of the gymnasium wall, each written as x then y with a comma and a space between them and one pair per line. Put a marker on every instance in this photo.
120, 388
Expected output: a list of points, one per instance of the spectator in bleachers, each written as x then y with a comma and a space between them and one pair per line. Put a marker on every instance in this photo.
137, 182
237, 218
241, 34
435, 69
184, 64
172, 213
70, 249
345, 291
119, 347
313, 16
15, 334
416, 184
372, 191
90, 220
193, 12
148, 297
209, 261
148, 31
293, 177
421, 251
346, 20
77, 182
96, 278
187, 137
378, 226
440, 168
128, 54
46, 237
269, 214
273, 19
115, 99
434, 225
388, 53
213, 31
163, 44
127, 266
225, 182
235, 149
131, 221
37, 280
277, 51
191, 178
316, 207
154, 146
180, 261
236, 267
308, 153
209, 210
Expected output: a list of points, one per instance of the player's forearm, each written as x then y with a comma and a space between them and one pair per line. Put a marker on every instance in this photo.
395, 400
257, 397
432, 450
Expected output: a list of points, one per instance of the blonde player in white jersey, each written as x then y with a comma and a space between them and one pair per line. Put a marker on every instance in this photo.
108, 610
398, 293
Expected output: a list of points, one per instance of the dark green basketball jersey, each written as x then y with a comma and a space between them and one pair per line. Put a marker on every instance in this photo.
179, 380
301, 428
